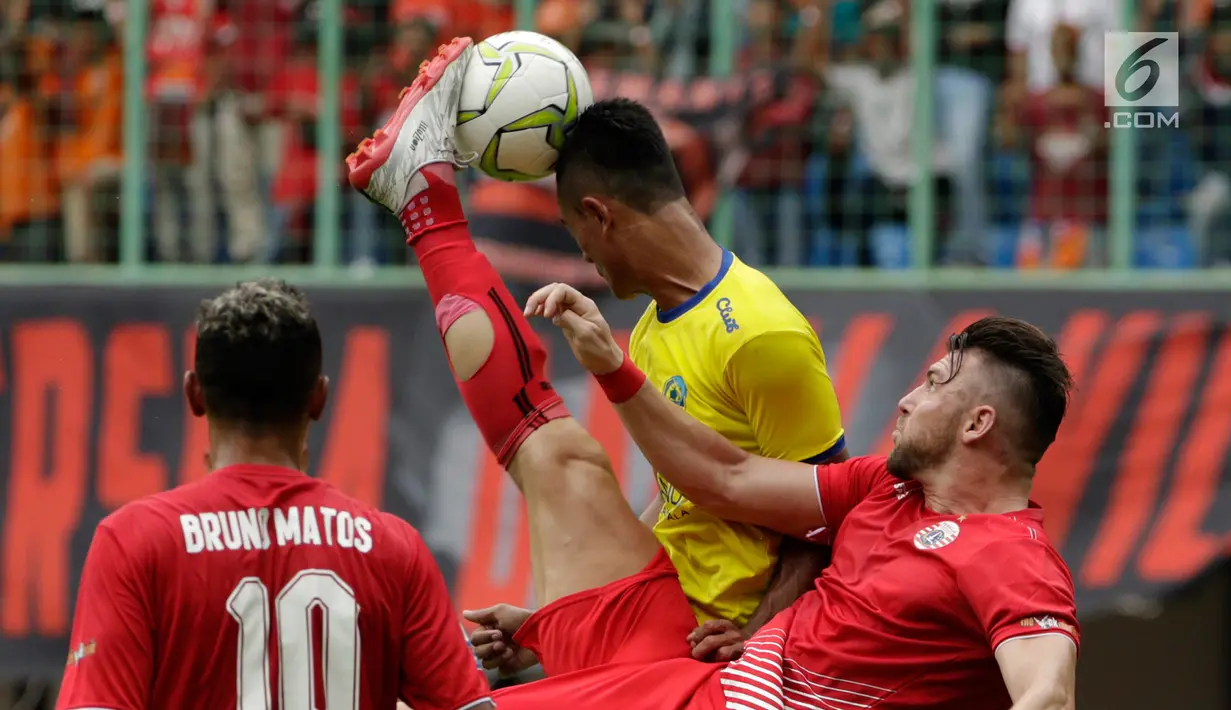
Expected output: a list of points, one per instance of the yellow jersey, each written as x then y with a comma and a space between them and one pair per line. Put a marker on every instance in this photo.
739, 357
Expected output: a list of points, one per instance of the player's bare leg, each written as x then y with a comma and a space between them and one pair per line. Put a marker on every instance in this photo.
582, 532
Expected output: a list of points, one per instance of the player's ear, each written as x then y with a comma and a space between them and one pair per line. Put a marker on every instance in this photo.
979, 423
194, 394
597, 210
320, 395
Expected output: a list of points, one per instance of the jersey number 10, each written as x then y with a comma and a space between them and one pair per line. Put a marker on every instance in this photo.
309, 590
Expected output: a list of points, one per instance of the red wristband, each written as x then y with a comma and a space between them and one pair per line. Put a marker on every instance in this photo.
622, 383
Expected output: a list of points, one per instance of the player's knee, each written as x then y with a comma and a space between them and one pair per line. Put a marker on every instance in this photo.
467, 332
558, 446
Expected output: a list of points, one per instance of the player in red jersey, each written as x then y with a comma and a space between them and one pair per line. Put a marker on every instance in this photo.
259, 587
943, 592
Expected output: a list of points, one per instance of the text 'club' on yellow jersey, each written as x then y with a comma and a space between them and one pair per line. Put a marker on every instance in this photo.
739, 357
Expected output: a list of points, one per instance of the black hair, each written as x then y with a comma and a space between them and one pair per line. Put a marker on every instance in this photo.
258, 354
1036, 378
616, 148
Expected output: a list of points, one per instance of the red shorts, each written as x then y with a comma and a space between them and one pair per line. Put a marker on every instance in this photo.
677, 684
639, 619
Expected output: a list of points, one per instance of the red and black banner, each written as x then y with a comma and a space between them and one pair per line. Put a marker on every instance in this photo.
1137, 487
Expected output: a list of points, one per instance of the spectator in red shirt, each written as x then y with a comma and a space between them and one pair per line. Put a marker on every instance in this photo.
412, 41
1062, 129
780, 138
473, 18
294, 101
253, 49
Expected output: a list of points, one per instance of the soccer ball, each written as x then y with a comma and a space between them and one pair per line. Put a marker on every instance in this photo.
521, 94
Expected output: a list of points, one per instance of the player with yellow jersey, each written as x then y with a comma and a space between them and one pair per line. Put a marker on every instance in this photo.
740, 358
719, 339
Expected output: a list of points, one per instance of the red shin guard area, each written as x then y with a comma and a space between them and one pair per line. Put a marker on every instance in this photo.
509, 396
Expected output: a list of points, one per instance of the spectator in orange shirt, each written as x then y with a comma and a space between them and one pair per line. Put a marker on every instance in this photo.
90, 152
29, 229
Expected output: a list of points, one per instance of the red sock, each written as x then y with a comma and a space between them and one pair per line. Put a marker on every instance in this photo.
509, 397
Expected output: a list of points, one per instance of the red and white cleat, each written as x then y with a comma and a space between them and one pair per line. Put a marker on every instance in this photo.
386, 167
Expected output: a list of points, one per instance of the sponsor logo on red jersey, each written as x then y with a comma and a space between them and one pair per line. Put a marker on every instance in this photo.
1047, 623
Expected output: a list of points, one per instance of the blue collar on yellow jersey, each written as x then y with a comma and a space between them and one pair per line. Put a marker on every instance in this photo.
672, 313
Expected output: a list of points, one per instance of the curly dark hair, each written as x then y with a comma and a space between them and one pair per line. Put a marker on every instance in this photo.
258, 354
1035, 377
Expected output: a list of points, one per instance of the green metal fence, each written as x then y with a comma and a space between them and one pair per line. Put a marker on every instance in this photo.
327, 268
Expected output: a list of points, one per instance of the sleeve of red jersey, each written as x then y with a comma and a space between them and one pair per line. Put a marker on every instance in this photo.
1020, 588
110, 660
439, 669
840, 487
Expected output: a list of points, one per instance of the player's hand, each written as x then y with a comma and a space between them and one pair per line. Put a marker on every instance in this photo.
584, 327
719, 641
493, 640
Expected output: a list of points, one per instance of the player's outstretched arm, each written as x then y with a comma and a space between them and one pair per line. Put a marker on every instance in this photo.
711, 471
1039, 672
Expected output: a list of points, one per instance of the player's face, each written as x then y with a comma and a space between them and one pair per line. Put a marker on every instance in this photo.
928, 422
593, 224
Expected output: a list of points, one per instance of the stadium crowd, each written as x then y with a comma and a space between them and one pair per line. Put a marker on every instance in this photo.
813, 132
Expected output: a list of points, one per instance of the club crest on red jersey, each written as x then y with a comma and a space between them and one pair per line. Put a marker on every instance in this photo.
934, 537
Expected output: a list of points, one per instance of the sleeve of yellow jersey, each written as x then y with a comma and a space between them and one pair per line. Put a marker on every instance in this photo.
780, 379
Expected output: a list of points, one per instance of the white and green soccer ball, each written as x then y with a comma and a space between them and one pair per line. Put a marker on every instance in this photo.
521, 94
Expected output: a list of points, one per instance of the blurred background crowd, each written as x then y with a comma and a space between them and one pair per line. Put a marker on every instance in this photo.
810, 135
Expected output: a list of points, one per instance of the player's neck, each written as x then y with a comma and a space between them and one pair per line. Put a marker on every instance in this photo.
986, 490
229, 447
683, 260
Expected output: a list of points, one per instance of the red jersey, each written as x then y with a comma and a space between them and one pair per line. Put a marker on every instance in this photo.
176, 47
295, 93
1069, 165
911, 610
259, 587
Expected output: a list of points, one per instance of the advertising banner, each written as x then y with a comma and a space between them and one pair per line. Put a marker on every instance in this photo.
1137, 488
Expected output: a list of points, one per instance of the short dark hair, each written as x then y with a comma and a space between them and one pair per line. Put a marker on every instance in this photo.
616, 148
1037, 379
258, 354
